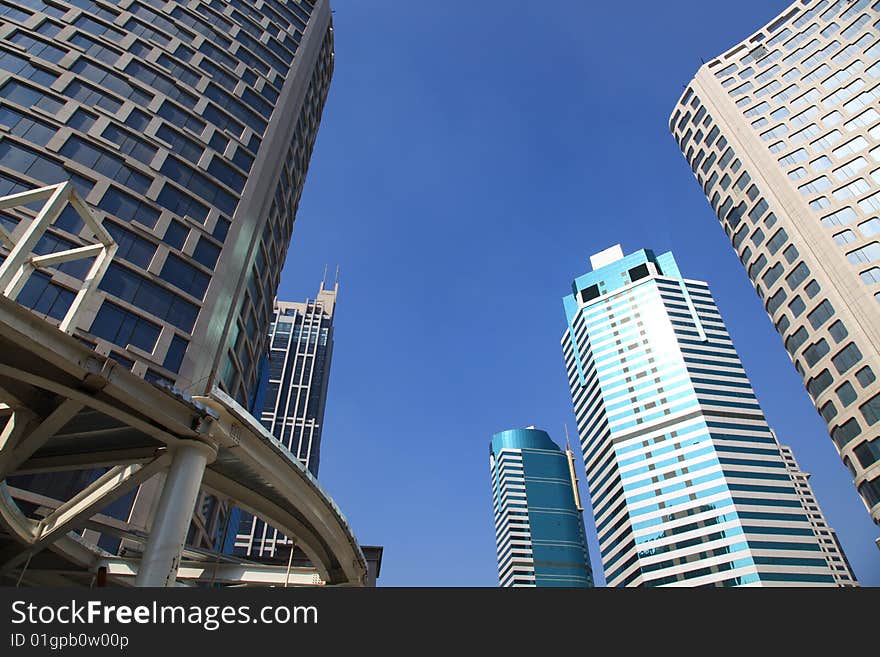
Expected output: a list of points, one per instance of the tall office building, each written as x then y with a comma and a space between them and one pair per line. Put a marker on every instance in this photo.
188, 126
828, 541
688, 484
539, 527
300, 351
782, 132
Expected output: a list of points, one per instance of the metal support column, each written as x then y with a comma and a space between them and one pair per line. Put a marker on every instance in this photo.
174, 514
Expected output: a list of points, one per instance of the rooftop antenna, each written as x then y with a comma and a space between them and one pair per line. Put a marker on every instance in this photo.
571, 472
336, 282
324, 279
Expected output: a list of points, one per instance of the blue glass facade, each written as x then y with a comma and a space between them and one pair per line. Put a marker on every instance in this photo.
539, 528
189, 127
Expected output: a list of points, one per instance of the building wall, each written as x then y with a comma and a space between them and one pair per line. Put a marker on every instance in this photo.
834, 555
189, 126
687, 482
539, 529
300, 353
783, 133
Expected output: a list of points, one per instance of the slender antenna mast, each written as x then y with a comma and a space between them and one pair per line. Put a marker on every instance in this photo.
571, 472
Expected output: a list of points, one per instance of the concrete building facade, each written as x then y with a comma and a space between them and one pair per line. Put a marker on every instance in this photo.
782, 132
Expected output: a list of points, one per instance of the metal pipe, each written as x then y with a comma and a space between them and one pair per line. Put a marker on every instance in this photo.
173, 516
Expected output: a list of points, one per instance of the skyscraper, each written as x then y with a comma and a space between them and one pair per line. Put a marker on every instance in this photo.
539, 529
300, 350
188, 127
688, 484
782, 132
828, 541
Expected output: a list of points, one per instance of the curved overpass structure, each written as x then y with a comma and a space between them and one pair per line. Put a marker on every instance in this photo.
65, 408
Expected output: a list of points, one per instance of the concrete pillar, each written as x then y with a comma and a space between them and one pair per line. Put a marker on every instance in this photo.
173, 515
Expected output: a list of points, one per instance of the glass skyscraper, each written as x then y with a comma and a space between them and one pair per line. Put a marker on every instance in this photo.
187, 127
687, 481
539, 528
782, 132
300, 352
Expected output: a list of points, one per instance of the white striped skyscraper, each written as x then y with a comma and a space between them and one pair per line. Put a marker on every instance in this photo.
688, 484
828, 541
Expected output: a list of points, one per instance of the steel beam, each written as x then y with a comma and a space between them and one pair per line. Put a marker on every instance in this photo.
109, 487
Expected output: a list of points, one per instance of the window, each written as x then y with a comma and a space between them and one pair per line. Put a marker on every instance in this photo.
871, 203
152, 298
124, 328
844, 238
783, 324
183, 275
846, 393
132, 247
871, 412
871, 276
776, 301
869, 253
870, 491
758, 211
839, 218
851, 147
757, 236
797, 276
838, 331
821, 314
757, 266
797, 306
856, 187
206, 253
866, 118
815, 186
844, 433
44, 296
826, 141
109, 165
772, 275
814, 353
791, 253
865, 376
819, 383
175, 234
174, 356
850, 169
828, 411
795, 340
793, 158
846, 358
128, 208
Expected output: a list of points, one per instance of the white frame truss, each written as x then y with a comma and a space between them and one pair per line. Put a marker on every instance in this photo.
21, 261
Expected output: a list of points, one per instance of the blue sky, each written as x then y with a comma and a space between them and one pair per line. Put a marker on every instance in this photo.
470, 159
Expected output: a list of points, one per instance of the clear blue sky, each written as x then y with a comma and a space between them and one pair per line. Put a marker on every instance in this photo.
472, 155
